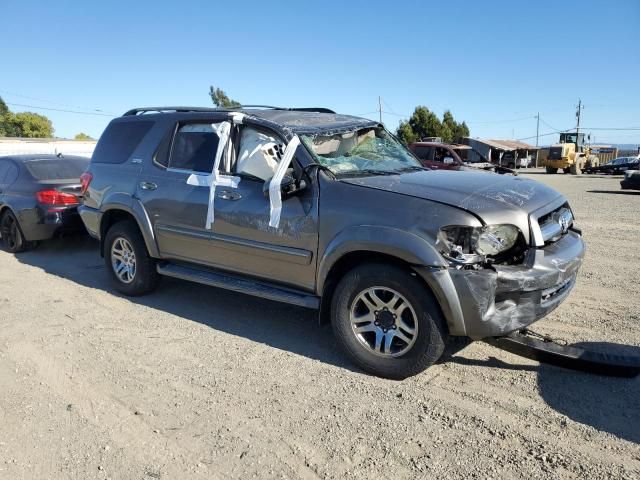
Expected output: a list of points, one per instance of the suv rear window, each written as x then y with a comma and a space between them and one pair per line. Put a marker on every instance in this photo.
119, 140
56, 169
194, 148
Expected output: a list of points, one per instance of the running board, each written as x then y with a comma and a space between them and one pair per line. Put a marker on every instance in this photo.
545, 350
240, 284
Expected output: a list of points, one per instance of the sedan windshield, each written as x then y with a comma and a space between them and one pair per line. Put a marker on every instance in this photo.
368, 151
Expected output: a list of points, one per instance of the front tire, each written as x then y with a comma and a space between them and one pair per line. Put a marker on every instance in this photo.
387, 321
130, 267
552, 170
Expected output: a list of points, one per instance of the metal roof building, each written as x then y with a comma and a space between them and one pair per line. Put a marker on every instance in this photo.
509, 153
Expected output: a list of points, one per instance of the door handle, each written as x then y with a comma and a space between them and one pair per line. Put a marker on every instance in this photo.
148, 186
227, 195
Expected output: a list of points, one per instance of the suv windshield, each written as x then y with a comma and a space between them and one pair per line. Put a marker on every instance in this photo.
366, 151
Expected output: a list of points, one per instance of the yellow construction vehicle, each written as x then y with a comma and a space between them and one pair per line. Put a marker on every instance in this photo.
571, 155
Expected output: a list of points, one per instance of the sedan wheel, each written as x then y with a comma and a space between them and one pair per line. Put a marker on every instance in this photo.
11, 234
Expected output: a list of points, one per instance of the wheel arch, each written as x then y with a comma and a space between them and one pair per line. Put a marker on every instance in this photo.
372, 244
117, 213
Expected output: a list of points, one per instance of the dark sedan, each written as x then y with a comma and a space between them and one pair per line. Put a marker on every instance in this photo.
616, 166
39, 196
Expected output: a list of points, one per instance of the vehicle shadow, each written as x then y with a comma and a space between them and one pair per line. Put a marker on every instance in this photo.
285, 327
608, 404
616, 192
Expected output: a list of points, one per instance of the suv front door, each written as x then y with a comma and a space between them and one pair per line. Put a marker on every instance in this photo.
242, 239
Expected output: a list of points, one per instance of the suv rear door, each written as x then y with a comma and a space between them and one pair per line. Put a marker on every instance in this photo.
177, 211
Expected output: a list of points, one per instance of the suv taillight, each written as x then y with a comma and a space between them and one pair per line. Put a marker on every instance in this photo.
54, 197
85, 180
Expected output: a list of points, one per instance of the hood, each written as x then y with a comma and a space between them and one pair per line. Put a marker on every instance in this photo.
493, 198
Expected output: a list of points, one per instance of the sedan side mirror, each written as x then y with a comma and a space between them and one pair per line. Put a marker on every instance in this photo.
288, 186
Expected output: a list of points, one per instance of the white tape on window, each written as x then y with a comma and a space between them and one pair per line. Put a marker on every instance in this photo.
215, 178
275, 194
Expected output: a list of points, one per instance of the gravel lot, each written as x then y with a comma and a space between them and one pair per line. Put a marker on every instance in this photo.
195, 382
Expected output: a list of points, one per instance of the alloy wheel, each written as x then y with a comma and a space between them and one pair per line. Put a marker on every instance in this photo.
123, 260
384, 321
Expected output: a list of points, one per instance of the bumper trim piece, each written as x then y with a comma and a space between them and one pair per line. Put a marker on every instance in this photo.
522, 343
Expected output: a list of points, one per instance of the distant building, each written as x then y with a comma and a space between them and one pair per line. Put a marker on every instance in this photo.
508, 153
19, 146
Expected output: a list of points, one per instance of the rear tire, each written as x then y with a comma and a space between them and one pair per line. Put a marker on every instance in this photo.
130, 267
552, 170
11, 233
401, 331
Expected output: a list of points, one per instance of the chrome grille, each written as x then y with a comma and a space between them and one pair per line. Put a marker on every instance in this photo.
551, 222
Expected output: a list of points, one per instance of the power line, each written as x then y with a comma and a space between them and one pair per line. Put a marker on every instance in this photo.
622, 129
54, 103
503, 121
61, 110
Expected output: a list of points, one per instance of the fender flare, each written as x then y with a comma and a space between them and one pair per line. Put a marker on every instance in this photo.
397, 243
416, 251
134, 208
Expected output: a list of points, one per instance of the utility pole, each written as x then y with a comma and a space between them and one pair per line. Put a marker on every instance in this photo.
537, 136
380, 107
578, 112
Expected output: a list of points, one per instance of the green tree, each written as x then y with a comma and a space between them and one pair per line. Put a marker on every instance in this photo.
31, 125
5, 127
82, 136
23, 124
220, 99
424, 123
3, 108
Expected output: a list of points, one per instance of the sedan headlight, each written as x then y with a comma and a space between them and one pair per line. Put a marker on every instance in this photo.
468, 245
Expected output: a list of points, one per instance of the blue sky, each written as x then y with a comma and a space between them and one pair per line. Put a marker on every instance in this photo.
494, 64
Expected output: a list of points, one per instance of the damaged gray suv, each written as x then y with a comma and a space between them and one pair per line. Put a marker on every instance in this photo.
330, 212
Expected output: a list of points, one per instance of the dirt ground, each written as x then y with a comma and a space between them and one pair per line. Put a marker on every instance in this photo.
195, 382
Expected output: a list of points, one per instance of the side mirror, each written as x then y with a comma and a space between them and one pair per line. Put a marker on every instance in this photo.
288, 186
448, 160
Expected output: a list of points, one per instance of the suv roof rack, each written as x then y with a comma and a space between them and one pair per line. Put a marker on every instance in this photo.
140, 111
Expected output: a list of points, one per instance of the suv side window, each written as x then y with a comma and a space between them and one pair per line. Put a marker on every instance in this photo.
259, 154
194, 148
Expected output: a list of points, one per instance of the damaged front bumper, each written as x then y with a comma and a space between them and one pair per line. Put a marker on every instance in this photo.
507, 298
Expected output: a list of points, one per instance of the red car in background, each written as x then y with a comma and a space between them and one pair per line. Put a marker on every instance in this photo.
443, 156
438, 156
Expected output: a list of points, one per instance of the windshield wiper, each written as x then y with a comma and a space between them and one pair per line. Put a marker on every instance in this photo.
412, 168
364, 172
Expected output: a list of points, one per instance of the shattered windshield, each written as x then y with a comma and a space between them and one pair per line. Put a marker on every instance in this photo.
361, 152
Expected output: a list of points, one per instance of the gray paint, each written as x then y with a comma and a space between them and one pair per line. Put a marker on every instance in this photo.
397, 215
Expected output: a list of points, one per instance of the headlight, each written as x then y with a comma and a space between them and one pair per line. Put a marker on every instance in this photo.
496, 239
469, 245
